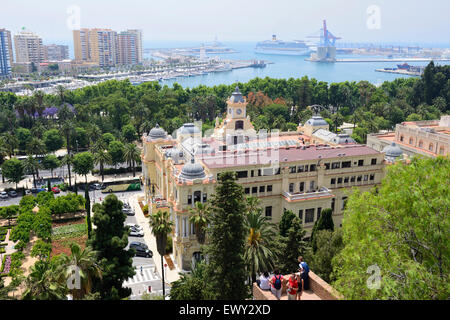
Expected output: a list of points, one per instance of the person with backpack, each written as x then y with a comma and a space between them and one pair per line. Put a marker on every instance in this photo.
276, 284
292, 287
304, 272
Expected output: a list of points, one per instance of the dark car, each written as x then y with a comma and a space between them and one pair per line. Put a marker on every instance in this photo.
128, 212
37, 190
141, 249
12, 194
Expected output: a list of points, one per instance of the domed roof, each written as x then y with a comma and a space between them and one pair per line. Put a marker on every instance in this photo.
393, 150
236, 96
157, 132
343, 138
316, 121
188, 128
192, 171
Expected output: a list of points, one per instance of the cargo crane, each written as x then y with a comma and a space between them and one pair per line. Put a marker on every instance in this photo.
327, 39
326, 50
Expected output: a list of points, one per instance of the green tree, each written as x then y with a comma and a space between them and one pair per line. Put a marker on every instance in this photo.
101, 157
192, 286
129, 133
329, 244
325, 222
42, 284
286, 222
23, 136
51, 162
53, 140
161, 226
293, 246
30, 164
41, 249
226, 249
200, 217
131, 154
9, 212
116, 151
109, 239
12, 169
399, 229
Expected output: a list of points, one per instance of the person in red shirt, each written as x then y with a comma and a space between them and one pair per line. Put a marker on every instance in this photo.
292, 287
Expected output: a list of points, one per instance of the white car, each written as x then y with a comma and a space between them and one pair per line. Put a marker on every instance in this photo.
135, 226
3, 195
136, 232
28, 192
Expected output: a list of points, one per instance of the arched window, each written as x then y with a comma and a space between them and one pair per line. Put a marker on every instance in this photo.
420, 144
430, 147
411, 140
239, 125
401, 138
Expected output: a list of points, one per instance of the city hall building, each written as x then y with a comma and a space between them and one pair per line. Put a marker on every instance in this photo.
305, 171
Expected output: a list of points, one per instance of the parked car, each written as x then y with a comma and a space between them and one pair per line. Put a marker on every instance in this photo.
56, 190
128, 212
28, 192
136, 226
141, 249
12, 194
3, 195
37, 190
136, 232
97, 186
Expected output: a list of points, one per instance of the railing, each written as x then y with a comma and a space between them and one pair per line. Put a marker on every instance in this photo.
322, 192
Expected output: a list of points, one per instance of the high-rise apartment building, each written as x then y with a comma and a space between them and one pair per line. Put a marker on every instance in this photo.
6, 53
107, 48
54, 52
28, 47
96, 45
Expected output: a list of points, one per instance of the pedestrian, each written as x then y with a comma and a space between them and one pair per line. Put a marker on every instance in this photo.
292, 287
142, 272
264, 281
300, 284
276, 283
304, 272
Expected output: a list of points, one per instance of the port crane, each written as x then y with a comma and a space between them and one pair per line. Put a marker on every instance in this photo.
327, 39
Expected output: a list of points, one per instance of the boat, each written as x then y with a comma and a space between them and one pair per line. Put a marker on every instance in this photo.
403, 66
274, 46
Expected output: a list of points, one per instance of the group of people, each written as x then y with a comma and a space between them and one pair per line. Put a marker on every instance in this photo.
297, 283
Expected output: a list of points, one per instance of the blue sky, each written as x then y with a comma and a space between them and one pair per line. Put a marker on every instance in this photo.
236, 20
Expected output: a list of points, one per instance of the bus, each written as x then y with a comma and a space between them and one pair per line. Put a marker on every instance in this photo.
119, 185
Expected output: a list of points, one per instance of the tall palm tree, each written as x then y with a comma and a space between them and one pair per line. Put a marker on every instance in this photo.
258, 253
30, 164
85, 260
67, 160
200, 217
131, 154
11, 143
102, 157
42, 283
36, 147
161, 226
39, 100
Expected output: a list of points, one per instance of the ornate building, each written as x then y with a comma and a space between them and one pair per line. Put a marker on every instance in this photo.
285, 170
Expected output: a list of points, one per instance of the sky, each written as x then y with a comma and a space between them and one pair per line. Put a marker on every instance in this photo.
413, 21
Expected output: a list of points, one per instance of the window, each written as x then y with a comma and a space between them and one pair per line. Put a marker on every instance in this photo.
247, 190
269, 212
302, 186
239, 125
252, 173
319, 210
311, 185
346, 164
300, 214
278, 171
346, 180
205, 197
269, 188
352, 179
301, 168
420, 144
401, 138
430, 147
242, 174
293, 169
262, 189
373, 161
312, 167
259, 172
333, 181
254, 189
339, 180
306, 168
335, 165
332, 204
411, 140
327, 166
309, 215
197, 195
372, 177
359, 178
366, 177
291, 187
360, 163
189, 199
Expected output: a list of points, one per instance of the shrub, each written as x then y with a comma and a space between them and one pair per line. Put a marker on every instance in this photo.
145, 209
169, 245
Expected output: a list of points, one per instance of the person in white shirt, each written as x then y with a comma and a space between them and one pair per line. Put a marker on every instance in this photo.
264, 281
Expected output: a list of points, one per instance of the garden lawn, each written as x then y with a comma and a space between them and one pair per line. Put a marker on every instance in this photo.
64, 235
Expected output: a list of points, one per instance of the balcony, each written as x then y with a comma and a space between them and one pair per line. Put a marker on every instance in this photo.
320, 193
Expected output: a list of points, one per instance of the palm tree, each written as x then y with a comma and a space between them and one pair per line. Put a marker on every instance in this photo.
86, 263
30, 164
200, 218
43, 282
102, 157
11, 142
36, 147
39, 100
161, 226
131, 154
258, 254
67, 160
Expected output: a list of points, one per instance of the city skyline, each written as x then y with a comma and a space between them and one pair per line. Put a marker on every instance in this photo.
362, 21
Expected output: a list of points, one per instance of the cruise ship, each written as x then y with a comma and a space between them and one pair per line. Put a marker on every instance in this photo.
274, 46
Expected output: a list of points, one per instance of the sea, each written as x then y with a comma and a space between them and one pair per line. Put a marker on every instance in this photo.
283, 67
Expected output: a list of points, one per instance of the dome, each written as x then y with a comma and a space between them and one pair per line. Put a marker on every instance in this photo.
343, 138
392, 150
236, 96
316, 121
188, 128
192, 171
157, 133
